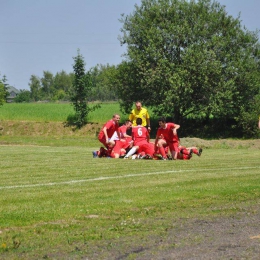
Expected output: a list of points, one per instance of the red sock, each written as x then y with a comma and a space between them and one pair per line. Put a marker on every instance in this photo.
185, 157
162, 151
195, 151
185, 151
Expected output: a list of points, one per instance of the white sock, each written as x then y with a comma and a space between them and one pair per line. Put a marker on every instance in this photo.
131, 152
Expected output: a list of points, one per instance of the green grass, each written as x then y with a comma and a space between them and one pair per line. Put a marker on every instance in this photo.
57, 112
58, 202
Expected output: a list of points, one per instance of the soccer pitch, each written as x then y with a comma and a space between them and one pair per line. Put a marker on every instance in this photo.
60, 203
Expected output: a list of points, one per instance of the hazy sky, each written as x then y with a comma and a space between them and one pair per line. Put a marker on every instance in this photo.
44, 35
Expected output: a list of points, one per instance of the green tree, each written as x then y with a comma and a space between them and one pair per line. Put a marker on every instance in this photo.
63, 83
23, 96
2, 93
4, 82
102, 78
35, 86
128, 85
82, 85
190, 60
47, 85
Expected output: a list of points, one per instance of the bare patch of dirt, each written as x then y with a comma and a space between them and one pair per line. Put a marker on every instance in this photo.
232, 237
226, 237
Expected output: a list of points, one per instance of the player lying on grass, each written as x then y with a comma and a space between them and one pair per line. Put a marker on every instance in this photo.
185, 153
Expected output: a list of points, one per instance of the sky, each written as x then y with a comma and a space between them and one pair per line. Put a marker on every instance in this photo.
44, 35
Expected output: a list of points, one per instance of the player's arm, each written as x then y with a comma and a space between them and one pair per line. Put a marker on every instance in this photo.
155, 142
124, 134
147, 136
131, 116
105, 133
148, 124
175, 129
118, 134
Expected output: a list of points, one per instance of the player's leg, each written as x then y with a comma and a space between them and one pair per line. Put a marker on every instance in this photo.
161, 147
195, 150
132, 151
115, 153
174, 148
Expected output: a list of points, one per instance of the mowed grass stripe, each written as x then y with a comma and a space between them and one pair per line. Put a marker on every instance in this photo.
69, 182
23, 165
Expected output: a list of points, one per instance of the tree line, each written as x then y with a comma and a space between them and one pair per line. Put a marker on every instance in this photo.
58, 87
187, 60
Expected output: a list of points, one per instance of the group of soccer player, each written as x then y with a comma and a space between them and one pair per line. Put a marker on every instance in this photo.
118, 144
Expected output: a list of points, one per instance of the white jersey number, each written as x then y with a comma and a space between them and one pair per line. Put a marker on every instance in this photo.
139, 131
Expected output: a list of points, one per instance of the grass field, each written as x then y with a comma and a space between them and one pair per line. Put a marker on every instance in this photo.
57, 202
55, 112
60, 203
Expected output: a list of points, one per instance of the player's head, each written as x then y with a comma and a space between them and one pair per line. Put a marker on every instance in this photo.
162, 121
138, 105
139, 121
128, 124
116, 118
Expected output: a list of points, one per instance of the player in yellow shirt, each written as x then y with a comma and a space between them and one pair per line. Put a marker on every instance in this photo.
140, 112
259, 123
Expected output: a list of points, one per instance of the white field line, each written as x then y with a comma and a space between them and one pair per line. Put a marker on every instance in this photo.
118, 177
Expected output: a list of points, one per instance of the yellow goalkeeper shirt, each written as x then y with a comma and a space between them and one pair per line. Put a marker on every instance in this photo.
142, 113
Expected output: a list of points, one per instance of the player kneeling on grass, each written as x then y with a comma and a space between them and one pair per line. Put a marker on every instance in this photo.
166, 136
108, 130
140, 136
119, 140
119, 150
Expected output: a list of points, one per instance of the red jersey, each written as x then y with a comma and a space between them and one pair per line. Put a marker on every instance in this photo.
111, 126
167, 133
140, 135
122, 130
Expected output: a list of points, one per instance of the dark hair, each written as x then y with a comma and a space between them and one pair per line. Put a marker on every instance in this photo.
162, 119
139, 121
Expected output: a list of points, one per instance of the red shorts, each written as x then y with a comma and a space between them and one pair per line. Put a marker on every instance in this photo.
122, 144
141, 143
147, 148
127, 142
103, 141
173, 146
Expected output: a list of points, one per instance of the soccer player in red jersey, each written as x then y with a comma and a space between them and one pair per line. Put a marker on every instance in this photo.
185, 153
167, 136
108, 130
140, 137
126, 140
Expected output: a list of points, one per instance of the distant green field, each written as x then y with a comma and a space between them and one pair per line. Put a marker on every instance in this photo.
57, 112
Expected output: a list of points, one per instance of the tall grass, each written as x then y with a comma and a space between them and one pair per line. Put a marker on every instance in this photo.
57, 112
